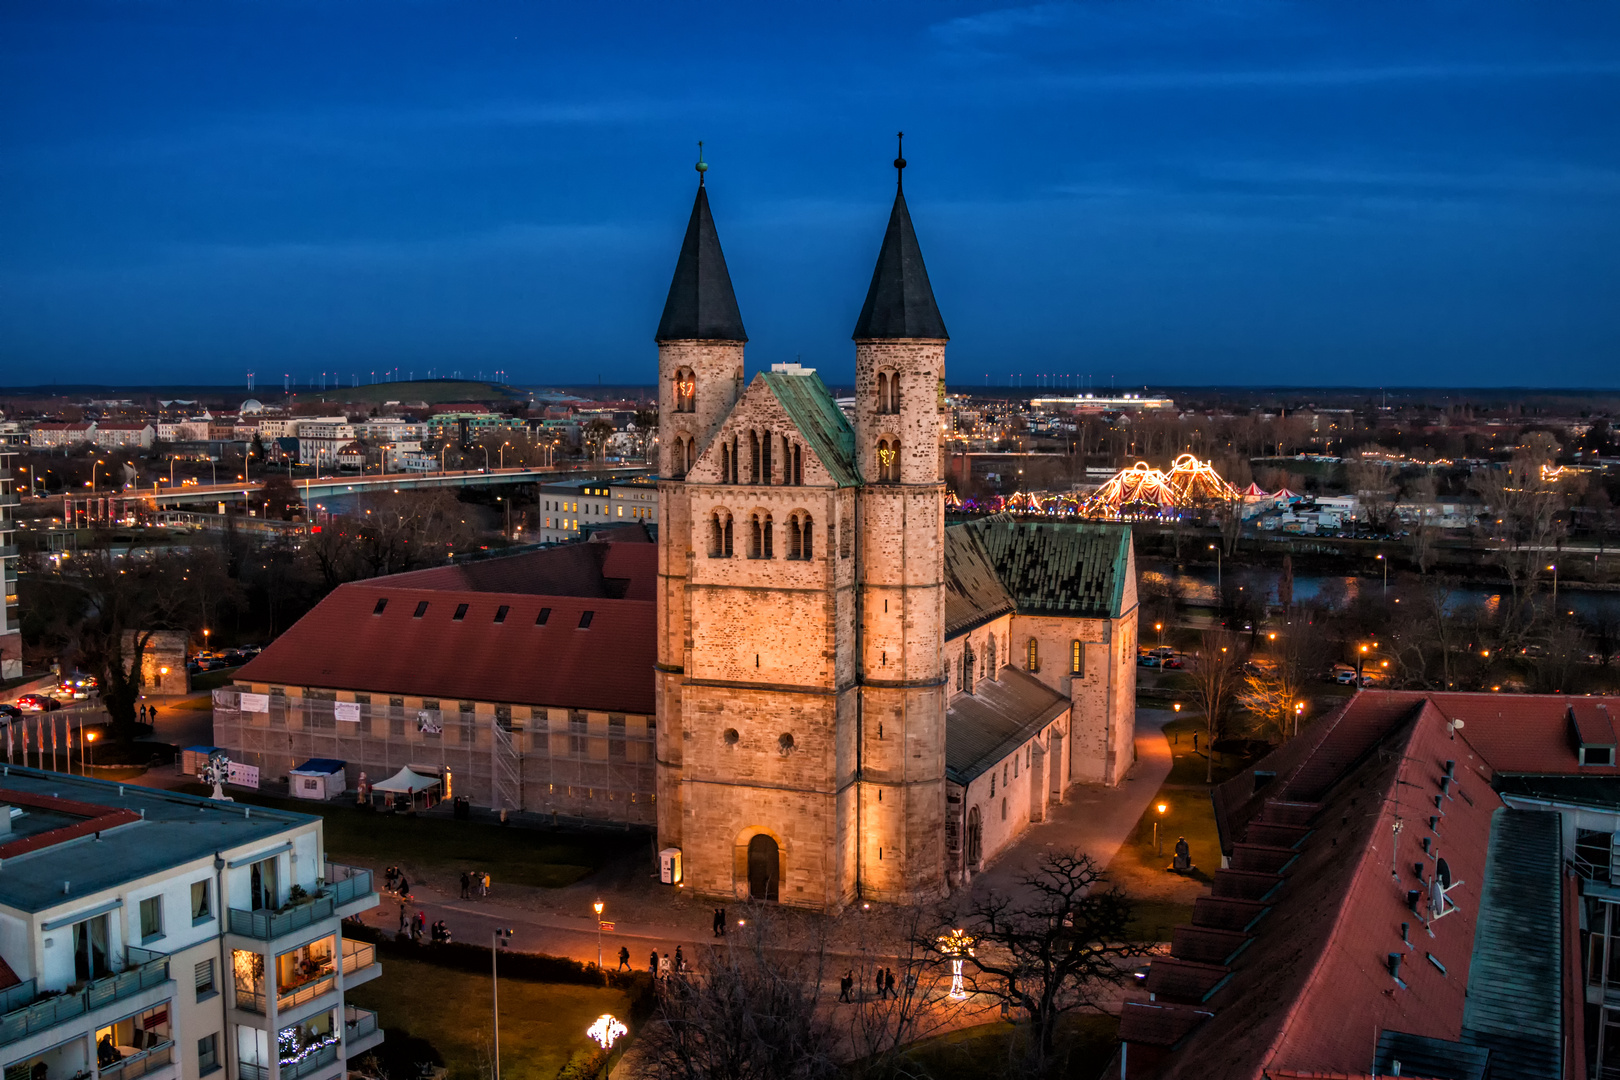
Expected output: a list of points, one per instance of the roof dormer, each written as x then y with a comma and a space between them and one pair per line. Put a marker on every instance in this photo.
1593, 732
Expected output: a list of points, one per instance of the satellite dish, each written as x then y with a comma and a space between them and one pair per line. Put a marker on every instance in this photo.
1442, 873
1437, 898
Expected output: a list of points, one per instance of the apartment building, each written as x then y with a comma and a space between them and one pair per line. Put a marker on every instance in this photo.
569, 508
53, 435
145, 933
320, 440
123, 436
632, 500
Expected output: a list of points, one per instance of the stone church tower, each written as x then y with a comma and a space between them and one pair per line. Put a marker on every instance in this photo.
801, 681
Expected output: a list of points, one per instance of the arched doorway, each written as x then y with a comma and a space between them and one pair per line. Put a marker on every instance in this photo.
975, 850
764, 867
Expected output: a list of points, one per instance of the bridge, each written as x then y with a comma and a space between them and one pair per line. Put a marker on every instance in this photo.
326, 487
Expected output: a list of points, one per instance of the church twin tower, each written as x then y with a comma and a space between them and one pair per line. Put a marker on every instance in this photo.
801, 612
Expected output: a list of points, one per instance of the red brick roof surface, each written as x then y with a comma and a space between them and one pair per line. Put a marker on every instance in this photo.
1312, 992
608, 667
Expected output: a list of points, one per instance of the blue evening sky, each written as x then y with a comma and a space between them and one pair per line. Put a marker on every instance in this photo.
1158, 191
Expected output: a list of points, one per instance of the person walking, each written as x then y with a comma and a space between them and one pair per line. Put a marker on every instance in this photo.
466, 885
680, 961
403, 916
719, 922
888, 983
722, 922
845, 985
485, 891
624, 958
652, 965
664, 966
421, 921
404, 888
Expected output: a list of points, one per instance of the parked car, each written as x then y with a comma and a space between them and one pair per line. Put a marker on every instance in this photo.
1345, 678
1148, 661
10, 712
1173, 662
38, 703
69, 692
1163, 651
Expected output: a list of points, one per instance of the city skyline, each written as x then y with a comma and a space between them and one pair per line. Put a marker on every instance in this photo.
1199, 194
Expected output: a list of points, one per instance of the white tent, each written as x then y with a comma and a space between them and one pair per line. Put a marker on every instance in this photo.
408, 784
318, 778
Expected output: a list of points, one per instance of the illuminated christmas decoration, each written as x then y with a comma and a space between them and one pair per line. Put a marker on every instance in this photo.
956, 945
1139, 491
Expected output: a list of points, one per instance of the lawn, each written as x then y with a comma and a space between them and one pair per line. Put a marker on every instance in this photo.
542, 1024
988, 1050
548, 858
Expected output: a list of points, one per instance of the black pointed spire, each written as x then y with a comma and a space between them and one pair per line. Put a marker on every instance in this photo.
900, 303
701, 304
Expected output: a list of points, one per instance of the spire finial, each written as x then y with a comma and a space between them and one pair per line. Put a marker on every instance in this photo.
702, 166
899, 159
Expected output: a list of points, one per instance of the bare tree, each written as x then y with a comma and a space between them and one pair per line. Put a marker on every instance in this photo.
1047, 950
1216, 677
1525, 499
749, 1013
1373, 483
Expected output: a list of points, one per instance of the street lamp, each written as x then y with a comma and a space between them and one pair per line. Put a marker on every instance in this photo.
89, 744
598, 906
1554, 569
1158, 628
1386, 575
93, 474
1360, 657
501, 938
1161, 808
1217, 552
1299, 711
605, 1032
956, 945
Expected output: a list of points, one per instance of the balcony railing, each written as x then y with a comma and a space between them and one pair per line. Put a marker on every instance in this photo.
308, 992
40, 1015
268, 925
246, 1071
313, 1062
357, 955
357, 1023
140, 1064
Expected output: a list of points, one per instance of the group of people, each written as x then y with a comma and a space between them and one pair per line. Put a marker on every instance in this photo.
883, 983
661, 966
416, 925
474, 883
719, 922
396, 882
146, 714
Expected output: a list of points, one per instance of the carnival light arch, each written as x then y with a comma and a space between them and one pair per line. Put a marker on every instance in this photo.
1136, 491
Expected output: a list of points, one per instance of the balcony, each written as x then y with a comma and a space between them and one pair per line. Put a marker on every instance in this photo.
327, 902
360, 1031
312, 1062
359, 963
140, 1064
20, 1022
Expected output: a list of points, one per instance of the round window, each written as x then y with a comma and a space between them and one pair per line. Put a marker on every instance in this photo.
731, 736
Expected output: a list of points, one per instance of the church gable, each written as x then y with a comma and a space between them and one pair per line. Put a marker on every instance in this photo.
786, 430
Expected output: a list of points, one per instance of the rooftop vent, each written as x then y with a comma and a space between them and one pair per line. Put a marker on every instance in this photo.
1592, 733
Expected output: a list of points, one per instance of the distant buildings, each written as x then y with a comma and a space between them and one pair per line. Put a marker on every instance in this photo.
149, 934
10, 633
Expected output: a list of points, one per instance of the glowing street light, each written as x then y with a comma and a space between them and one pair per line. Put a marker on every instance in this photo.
956, 945
1299, 711
1162, 808
598, 906
605, 1032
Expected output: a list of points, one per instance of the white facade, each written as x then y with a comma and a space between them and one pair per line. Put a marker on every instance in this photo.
123, 436
632, 501
190, 962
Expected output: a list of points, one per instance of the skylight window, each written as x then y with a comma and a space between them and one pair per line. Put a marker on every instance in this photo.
421, 609
461, 613
378, 610
585, 619
500, 612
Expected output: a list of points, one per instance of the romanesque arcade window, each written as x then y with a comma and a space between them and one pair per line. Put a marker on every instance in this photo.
720, 535
888, 461
801, 534
685, 391
993, 667
760, 539
1077, 658
888, 392
1033, 662
797, 469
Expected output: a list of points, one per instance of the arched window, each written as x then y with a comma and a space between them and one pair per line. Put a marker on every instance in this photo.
1033, 661
795, 538
798, 465
809, 531
727, 463
753, 457
894, 393
720, 535
981, 665
967, 667
759, 540
883, 392
993, 665
736, 466
685, 391
1077, 658
888, 461
765, 473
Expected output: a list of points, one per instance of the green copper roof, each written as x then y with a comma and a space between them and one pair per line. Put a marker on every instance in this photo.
810, 405
1074, 568
973, 593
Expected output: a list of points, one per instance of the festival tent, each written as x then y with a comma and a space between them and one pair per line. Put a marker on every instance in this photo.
318, 778
1284, 495
1255, 491
405, 786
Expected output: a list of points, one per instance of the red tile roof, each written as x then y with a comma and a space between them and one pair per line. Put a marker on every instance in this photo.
94, 818
1312, 991
345, 644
